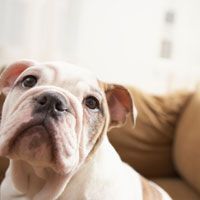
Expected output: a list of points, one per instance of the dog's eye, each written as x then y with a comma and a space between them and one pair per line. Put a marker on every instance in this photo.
29, 81
91, 102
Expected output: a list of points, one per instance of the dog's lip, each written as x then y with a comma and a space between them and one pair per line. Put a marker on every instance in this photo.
37, 121
59, 152
23, 129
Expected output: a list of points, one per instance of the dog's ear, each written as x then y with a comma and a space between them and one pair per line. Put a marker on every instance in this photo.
11, 72
120, 104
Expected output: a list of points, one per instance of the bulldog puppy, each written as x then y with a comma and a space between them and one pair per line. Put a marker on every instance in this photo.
54, 131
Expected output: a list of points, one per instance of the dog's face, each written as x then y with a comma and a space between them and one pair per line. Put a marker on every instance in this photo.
56, 113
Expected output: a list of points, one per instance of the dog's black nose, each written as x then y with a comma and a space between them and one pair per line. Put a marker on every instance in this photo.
51, 102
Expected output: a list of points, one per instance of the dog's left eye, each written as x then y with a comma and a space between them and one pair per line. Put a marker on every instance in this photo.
91, 102
29, 81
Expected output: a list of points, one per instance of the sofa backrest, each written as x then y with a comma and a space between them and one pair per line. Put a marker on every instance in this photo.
148, 146
187, 143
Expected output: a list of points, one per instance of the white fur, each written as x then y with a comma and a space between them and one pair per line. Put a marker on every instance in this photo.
103, 177
104, 174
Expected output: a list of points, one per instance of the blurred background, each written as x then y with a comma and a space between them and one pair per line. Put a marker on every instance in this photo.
154, 45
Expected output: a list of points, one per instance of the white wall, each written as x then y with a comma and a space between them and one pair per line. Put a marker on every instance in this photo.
121, 38
118, 39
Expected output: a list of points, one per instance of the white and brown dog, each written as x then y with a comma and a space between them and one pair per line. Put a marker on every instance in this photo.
54, 131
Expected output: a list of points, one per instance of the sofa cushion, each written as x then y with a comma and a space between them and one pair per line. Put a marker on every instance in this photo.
187, 143
178, 189
148, 146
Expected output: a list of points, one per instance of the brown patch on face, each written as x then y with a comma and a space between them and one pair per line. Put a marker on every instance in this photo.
95, 134
95, 125
150, 192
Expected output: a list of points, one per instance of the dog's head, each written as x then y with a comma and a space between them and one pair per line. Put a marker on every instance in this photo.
55, 114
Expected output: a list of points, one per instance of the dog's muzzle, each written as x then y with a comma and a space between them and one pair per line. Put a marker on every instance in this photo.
51, 103
47, 136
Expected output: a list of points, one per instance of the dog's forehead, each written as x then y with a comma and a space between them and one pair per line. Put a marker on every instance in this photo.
72, 75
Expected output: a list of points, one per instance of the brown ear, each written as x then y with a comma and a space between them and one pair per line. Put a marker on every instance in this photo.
120, 104
11, 72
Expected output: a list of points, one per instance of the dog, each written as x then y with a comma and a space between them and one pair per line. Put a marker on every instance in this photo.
54, 127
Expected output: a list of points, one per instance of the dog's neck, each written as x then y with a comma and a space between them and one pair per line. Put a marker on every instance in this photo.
47, 184
29, 180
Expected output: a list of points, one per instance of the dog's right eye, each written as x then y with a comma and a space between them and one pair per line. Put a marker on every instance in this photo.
91, 102
29, 81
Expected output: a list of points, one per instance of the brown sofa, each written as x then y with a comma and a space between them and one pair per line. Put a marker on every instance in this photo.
164, 144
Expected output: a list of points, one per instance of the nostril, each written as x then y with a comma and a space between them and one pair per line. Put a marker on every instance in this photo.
43, 100
60, 107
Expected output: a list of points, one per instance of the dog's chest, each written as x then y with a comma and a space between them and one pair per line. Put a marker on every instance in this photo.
104, 177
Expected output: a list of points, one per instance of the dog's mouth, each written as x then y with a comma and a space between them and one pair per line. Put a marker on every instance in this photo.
32, 142
40, 143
